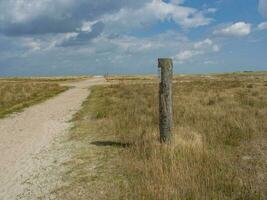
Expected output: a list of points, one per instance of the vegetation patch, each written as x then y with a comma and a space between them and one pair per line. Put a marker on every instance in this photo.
16, 95
219, 148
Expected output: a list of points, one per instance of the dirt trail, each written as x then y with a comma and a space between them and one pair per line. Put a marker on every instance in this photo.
24, 135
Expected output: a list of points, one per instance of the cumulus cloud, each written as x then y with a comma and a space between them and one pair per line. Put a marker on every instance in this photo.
157, 10
216, 48
87, 33
134, 45
187, 54
236, 29
198, 48
206, 45
25, 17
185, 16
262, 26
202, 44
79, 21
263, 7
106, 53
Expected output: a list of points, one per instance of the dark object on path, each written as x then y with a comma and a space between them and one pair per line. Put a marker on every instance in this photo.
110, 143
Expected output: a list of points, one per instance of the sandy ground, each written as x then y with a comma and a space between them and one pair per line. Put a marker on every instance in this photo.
27, 138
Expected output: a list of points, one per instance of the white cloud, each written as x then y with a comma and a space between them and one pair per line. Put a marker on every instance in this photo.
205, 46
32, 44
262, 26
187, 54
117, 53
263, 7
184, 16
209, 62
211, 10
19, 11
32, 17
154, 11
204, 43
236, 29
133, 45
86, 26
216, 48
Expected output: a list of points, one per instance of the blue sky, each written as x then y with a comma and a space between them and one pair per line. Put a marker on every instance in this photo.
72, 37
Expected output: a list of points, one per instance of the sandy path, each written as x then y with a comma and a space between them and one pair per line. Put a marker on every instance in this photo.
24, 135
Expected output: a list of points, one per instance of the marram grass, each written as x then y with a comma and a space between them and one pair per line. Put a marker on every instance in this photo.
218, 150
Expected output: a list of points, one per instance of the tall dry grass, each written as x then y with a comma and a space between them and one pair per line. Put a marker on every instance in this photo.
16, 95
219, 149
56, 79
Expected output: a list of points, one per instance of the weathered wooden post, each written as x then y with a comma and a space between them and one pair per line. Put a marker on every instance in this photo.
165, 99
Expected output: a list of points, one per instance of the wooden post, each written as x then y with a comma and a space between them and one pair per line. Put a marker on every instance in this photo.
165, 99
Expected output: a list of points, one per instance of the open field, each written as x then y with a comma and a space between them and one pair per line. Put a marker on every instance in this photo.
219, 152
18, 93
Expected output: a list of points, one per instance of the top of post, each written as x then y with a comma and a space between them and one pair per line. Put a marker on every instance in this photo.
164, 62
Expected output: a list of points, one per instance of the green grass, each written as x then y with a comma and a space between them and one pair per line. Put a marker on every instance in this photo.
219, 148
16, 95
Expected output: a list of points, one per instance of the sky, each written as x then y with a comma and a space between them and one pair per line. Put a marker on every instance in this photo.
82, 37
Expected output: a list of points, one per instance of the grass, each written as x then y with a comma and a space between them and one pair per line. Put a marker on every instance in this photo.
18, 94
43, 79
219, 148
